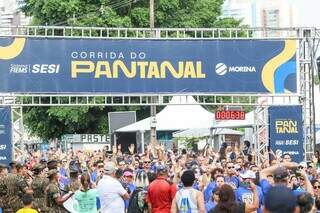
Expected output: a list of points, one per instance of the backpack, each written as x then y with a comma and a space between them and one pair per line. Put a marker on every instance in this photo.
137, 203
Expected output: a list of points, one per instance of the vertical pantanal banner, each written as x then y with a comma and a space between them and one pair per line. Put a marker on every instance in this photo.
5, 135
286, 131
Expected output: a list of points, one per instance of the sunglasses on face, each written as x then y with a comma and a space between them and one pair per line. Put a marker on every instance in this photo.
316, 187
230, 167
147, 162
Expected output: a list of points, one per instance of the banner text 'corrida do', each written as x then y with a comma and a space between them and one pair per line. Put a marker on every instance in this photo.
29, 65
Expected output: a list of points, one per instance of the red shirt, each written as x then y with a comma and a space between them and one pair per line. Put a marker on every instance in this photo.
160, 195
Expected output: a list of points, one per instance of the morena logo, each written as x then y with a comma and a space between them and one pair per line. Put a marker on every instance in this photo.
222, 69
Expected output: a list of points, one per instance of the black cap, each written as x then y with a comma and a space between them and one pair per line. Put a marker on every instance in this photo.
280, 199
12, 164
52, 160
38, 167
74, 169
43, 160
20, 165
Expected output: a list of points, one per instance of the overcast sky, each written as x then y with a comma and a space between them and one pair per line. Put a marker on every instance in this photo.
308, 13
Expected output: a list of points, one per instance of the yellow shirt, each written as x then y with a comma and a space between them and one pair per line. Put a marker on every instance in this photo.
27, 210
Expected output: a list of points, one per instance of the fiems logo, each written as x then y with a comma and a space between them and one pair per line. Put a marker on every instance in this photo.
14, 50
222, 69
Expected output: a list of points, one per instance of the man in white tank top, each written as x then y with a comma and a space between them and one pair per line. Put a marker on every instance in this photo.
188, 199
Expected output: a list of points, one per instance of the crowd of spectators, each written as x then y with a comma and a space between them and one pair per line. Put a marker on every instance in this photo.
228, 180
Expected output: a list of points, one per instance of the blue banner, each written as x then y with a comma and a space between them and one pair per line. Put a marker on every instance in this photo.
286, 131
29, 65
5, 135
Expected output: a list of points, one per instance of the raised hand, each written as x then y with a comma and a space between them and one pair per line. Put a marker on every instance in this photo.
114, 150
131, 149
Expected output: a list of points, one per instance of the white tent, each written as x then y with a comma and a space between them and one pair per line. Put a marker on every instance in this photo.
202, 132
176, 117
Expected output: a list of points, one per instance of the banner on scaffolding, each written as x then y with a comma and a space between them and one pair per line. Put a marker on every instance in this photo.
5, 135
286, 131
32, 65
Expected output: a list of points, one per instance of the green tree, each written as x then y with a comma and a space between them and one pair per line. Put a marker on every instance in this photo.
128, 13
52, 122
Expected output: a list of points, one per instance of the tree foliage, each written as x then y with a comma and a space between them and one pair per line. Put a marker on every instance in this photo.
128, 13
52, 122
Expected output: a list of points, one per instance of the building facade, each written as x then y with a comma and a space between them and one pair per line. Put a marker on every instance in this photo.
10, 15
261, 13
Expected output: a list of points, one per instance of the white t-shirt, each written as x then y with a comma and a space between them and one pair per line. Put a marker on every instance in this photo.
110, 191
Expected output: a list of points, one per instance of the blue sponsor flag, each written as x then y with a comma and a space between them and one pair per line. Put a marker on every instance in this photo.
286, 131
5, 135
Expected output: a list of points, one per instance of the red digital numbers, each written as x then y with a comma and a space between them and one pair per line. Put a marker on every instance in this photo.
230, 115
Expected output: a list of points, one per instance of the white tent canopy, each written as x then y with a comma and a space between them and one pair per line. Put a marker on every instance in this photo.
204, 132
176, 117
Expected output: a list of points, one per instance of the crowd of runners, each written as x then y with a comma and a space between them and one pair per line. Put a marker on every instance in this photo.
160, 181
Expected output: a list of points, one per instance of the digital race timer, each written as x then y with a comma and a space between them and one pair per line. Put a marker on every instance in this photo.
230, 115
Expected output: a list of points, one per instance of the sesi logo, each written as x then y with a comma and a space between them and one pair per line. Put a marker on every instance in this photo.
45, 68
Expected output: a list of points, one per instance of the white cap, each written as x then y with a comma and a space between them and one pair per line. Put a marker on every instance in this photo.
248, 175
303, 164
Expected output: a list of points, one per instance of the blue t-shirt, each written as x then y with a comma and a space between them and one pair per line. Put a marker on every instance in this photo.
210, 205
132, 187
233, 179
245, 195
299, 191
94, 176
63, 182
265, 186
86, 202
208, 191
63, 172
